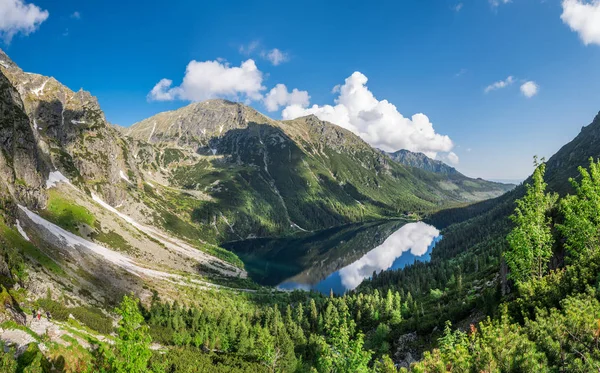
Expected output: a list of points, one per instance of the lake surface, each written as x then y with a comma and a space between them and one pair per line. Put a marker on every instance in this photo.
337, 259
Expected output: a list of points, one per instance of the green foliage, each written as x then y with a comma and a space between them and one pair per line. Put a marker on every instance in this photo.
89, 316
581, 227
132, 347
66, 214
569, 336
531, 239
8, 364
32, 361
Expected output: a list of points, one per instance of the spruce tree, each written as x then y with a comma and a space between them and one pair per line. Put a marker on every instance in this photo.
531, 239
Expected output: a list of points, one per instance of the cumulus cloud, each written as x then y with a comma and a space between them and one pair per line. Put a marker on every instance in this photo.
413, 237
529, 89
76, 15
16, 16
450, 158
210, 79
279, 96
275, 56
499, 84
584, 18
377, 122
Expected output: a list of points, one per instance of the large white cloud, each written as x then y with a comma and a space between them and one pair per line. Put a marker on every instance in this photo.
279, 96
16, 16
529, 89
416, 237
584, 18
210, 79
377, 122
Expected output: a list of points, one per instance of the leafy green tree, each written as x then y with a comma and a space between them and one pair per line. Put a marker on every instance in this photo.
132, 347
581, 226
531, 239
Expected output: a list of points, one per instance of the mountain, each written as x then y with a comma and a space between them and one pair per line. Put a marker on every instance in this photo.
268, 177
564, 164
487, 189
420, 160
74, 203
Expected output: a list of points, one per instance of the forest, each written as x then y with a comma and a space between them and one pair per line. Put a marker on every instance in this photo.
516, 294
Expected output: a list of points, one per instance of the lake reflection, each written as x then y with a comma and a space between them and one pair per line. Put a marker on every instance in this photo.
337, 258
410, 243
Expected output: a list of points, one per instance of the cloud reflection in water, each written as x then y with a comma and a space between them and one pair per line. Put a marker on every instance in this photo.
416, 237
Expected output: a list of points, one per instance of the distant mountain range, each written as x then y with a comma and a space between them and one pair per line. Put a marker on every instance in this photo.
420, 160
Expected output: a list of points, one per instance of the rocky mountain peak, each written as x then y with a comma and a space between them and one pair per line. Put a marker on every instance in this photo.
420, 160
5, 61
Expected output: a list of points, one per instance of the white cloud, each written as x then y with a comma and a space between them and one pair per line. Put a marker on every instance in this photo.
16, 16
458, 7
499, 84
529, 89
210, 79
496, 3
377, 122
584, 18
450, 158
275, 56
279, 96
248, 49
76, 15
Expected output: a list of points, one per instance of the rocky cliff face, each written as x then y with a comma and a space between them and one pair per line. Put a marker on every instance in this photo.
195, 126
564, 164
22, 168
71, 131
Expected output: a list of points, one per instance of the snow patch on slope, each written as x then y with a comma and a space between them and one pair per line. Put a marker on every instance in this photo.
173, 243
21, 231
73, 241
123, 176
54, 178
39, 89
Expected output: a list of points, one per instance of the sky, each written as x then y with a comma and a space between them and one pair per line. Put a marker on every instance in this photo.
483, 85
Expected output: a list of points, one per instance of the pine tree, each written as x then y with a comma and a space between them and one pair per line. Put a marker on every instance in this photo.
581, 227
531, 239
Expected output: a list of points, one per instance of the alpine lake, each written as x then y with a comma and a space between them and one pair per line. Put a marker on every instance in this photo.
336, 259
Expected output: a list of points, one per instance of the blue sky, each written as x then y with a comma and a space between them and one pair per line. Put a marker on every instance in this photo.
430, 57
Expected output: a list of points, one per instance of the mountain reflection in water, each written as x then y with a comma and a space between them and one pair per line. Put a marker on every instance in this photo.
410, 243
337, 259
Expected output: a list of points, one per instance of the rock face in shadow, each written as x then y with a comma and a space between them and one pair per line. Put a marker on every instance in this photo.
71, 131
22, 169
